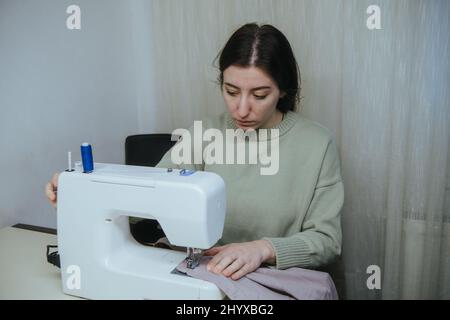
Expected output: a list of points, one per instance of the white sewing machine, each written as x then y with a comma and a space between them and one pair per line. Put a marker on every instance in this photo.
99, 257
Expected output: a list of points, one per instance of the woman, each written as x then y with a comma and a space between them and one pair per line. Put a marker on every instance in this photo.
290, 218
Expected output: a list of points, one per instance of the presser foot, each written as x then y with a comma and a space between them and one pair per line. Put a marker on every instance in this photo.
193, 257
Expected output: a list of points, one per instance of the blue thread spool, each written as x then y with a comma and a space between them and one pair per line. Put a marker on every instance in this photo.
86, 157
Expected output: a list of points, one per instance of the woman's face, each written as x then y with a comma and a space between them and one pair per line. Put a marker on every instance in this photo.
251, 97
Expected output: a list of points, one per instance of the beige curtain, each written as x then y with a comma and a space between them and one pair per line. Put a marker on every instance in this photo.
383, 93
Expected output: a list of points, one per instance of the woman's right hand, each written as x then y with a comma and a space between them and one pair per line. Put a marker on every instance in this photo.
51, 189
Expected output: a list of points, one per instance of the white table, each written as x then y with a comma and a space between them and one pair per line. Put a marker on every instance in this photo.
24, 270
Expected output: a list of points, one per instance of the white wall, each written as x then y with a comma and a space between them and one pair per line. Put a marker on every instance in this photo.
58, 88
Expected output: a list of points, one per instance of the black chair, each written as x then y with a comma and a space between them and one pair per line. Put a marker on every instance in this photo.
146, 150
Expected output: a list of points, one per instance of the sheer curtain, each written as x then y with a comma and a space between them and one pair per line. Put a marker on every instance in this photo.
383, 93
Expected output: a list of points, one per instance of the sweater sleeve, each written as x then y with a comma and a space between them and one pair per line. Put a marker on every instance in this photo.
319, 240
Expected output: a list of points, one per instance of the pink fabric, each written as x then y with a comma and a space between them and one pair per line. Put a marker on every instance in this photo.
269, 284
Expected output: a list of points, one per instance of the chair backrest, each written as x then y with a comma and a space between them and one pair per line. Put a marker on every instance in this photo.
147, 149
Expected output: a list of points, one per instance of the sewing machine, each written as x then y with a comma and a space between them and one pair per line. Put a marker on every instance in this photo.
99, 257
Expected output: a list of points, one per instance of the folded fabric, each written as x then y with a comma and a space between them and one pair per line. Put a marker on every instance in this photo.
269, 284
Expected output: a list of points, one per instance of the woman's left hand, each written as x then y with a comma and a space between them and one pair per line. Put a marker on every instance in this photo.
237, 259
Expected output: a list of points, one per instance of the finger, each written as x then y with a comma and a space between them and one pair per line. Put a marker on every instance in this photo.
245, 269
223, 264
234, 267
212, 264
55, 180
49, 192
212, 251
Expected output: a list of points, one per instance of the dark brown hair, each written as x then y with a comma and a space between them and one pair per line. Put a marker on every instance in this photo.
267, 48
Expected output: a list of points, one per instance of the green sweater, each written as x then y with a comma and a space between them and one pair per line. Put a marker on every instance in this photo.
296, 209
